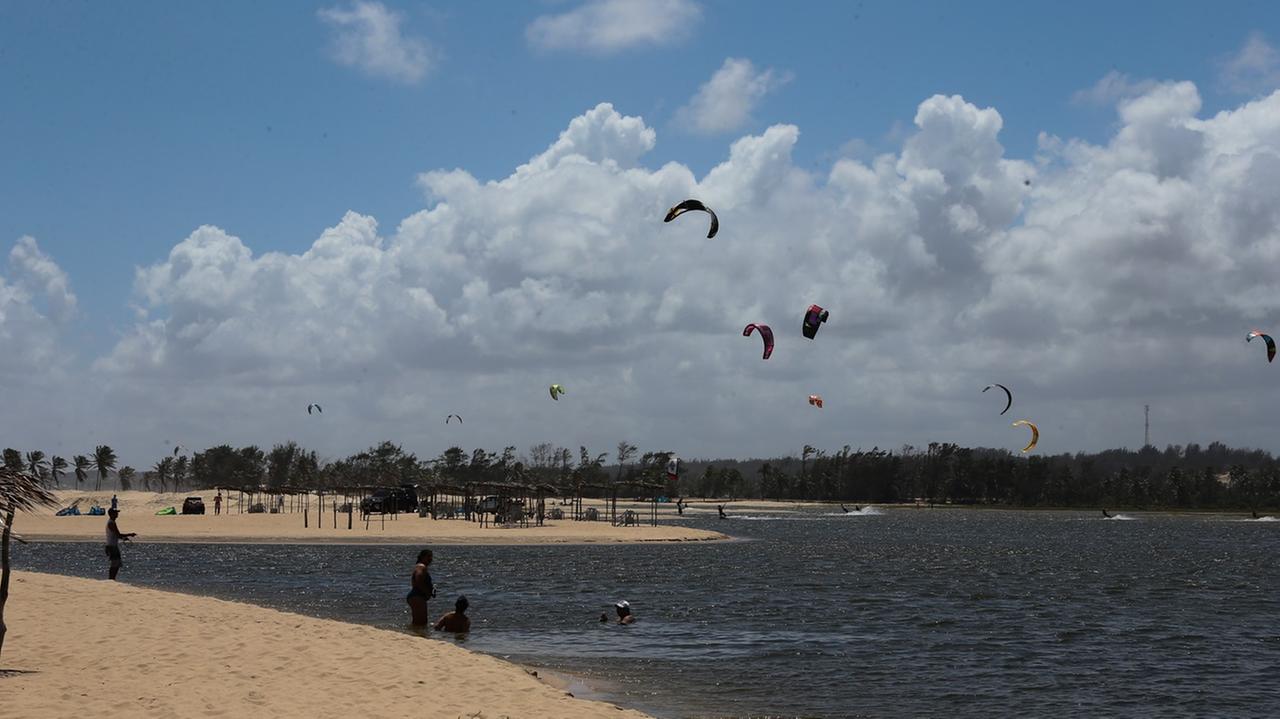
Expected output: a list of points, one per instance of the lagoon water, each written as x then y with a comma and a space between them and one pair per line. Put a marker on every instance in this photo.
893, 613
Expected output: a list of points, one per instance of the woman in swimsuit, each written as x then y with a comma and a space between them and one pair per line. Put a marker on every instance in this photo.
421, 589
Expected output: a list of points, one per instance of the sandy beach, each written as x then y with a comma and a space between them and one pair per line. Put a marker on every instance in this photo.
138, 514
80, 647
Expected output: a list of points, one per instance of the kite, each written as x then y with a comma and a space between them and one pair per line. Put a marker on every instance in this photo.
815, 400
556, 391
813, 319
688, 205
175, 450
1035, 434
673, 468
1009, 402
452, 417
1271, 344
766, 334
317, 408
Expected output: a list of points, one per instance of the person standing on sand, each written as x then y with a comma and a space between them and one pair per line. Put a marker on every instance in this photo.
722, 514
217, 503
421, 589
114, 504
113, 543
456, 621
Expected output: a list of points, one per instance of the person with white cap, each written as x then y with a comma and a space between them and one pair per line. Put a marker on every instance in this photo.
624, 612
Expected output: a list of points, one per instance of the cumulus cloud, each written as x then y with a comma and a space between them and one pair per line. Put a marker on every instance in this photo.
1111, 88
35, 302
725, 102
1094, 280
1254, 68
604, 26
368, 37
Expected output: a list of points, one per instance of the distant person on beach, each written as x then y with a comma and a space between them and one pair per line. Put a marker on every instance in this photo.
421, 589
1104, 514
217, 502
720, 507
456, 621
624, 612
114, 503
114, 536
680, 506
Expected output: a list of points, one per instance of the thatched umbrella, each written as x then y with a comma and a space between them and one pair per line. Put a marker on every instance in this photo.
18, 491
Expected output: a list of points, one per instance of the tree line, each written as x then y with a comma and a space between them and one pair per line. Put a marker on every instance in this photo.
1180, 476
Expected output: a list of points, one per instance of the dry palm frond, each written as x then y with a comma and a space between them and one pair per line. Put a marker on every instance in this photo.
21, 492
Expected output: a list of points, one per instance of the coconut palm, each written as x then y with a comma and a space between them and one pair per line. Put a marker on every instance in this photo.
104, 460
180, 466
57, 468
126, 475
82, 467
36, 465
19, 491
13, 459
161, 471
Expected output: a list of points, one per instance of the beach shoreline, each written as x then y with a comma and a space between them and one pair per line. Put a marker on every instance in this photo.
73, 642
138, 513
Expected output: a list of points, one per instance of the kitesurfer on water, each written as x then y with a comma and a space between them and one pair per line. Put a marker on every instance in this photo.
1104, 513
722, 514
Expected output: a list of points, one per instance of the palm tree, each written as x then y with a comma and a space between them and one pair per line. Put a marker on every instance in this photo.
82, 467
13, 459
57, 468
36, 464
19, 491
180, 466
104, 459
161, 470
126, 474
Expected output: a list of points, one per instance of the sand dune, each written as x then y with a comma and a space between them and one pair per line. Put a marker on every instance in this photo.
81, 647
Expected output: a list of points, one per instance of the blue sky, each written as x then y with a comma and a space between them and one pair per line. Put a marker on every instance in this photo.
125, 126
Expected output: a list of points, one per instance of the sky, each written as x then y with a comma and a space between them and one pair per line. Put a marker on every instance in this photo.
214, 215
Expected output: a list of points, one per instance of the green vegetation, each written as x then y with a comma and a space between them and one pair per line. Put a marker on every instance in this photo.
1191, 477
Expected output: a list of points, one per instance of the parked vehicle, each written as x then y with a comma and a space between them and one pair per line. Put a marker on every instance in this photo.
391, 499
193, 505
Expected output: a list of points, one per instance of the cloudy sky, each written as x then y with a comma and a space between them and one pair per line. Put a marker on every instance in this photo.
214, 215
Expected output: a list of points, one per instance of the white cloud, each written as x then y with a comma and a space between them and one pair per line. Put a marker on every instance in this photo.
368, 37
725, 102
1111, 88
36, 302
604, 26
1254, 68
1124, 273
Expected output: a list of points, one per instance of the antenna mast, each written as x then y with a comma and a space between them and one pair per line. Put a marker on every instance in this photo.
1146, 426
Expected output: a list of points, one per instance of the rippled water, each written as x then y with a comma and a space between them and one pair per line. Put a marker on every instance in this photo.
900, 613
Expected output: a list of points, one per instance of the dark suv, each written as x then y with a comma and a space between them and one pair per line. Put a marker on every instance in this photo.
391, 499
193, 505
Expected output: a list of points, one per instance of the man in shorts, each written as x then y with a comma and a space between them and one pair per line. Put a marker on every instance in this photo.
113, 542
